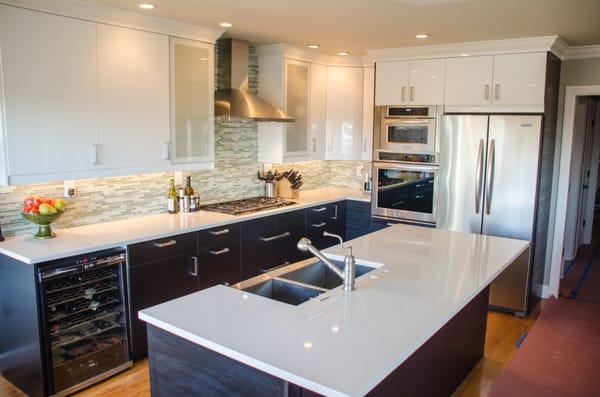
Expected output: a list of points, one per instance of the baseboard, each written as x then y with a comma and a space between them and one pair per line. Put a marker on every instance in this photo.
547, 292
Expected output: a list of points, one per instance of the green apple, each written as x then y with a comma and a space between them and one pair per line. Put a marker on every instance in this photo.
60, 204
46, 209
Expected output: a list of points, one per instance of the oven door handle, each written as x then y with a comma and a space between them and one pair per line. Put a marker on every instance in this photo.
406, 166
479, 177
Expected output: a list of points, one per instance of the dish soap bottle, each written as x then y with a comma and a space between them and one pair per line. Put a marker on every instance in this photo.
172, 198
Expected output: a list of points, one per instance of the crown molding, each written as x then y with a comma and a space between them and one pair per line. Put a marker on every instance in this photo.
308, 55
111, 16
583, 52
555, 44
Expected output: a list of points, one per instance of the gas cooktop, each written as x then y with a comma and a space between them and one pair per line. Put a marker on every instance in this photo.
245, 206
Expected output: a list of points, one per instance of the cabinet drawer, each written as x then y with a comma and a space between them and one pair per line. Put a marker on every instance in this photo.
317, 215
219, 263
219, 235
153, 250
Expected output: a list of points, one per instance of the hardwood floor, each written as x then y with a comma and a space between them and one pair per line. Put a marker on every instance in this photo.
503, 332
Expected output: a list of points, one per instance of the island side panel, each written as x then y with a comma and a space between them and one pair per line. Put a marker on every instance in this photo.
439, 366
21, 358
181, 368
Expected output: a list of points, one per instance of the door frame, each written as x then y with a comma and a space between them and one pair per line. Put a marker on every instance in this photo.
566, 151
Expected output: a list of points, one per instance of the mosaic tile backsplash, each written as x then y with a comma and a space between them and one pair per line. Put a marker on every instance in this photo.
234, 176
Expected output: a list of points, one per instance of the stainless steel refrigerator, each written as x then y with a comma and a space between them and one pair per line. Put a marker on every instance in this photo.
488, 184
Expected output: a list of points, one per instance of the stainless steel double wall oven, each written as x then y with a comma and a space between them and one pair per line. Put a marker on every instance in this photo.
405, 163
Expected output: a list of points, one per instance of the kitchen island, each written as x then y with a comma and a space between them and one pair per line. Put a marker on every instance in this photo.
415, 325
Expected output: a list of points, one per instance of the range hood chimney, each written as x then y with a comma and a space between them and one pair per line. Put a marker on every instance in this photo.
233, 101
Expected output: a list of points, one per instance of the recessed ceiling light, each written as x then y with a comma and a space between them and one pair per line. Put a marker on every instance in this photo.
343, 53
313, 46
146, 6
421, 36
225, 24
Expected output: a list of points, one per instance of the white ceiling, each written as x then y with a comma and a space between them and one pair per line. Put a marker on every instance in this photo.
358, 25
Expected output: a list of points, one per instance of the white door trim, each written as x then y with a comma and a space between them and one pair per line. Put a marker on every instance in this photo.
566, 150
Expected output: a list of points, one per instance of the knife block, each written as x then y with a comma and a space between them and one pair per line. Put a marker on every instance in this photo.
284, 190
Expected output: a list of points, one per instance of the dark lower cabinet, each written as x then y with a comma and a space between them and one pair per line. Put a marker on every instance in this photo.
156, 282
219, 256
358, 219
328, 217
271, 241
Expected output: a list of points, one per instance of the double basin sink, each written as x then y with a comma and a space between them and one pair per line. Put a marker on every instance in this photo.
299, 282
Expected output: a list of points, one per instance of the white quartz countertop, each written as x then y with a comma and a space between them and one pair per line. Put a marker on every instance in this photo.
84, 239
347, 344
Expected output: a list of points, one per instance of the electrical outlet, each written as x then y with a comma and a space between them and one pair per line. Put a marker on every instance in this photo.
360, 170
70, 189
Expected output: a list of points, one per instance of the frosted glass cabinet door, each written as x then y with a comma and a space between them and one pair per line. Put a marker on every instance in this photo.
133, 93
297, 94
50, 93
192, 102
344, 113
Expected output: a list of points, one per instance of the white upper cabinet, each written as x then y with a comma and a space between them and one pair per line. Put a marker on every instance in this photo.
133, 95
469, 81
367, 122
297, 105
344, 113
419, 82
318, 110
391, 85
519, 79
50, 94
192, 102
426, 82
499, 80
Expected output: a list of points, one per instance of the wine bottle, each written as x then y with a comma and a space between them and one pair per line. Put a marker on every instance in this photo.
172, 198
189, 191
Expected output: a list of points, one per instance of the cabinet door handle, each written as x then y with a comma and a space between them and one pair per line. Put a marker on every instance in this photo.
219, 232
194, 270
166, 244
320, 209
220, 252
319, 225
314, 145
95, 154
364, 145
167, 154
403, 94
335, 212
497, 91
412, 94
276, 237
486, 92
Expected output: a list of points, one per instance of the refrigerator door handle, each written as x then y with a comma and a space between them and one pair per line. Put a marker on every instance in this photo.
479, 177
490, 176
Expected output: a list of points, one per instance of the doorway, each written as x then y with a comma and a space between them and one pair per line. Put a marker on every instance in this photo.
582, 224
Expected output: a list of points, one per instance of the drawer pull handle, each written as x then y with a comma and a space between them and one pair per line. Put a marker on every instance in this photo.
320, 209
318, 224
277, 237
219, 232
166, 244
220, 252
194, 271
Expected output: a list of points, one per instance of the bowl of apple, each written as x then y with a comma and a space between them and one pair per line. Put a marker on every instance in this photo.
42, 212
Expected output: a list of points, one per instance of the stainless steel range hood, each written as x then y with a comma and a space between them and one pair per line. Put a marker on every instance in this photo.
233, 101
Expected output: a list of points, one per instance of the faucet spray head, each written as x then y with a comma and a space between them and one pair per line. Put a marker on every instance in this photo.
303, 244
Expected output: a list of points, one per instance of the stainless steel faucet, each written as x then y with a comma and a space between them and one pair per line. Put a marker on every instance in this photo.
348, 274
